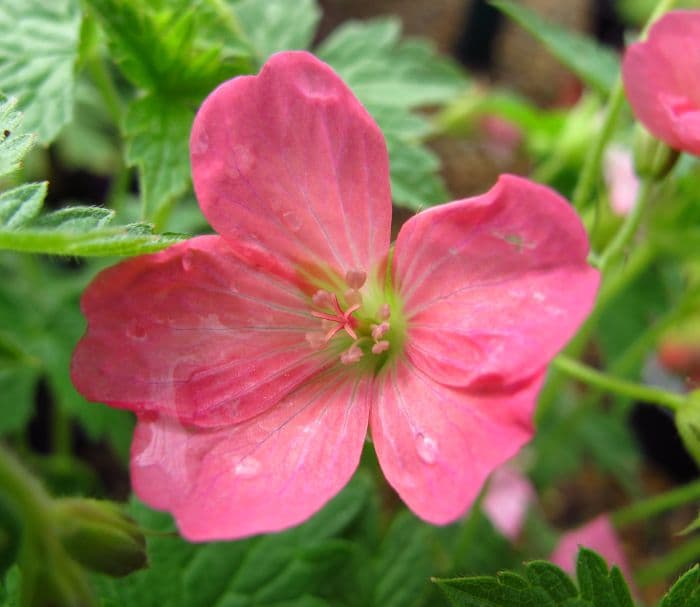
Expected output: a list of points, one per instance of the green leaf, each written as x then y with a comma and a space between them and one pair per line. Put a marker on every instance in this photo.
14, 143
543, 585
594, 64
597, 585
20, 205
157, 131
38, 51
278, 25
685, 592
157, 50
76, 219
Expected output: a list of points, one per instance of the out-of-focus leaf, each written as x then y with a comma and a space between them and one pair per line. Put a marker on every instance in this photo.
157, 131
393, 77
295, 567
594, 64
38, 51
404, 564
277, 25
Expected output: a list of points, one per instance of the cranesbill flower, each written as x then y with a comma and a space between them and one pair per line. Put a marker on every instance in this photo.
256, 360
662, 80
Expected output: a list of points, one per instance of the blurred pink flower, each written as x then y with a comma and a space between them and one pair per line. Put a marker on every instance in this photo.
622, 182
662, 80
507, 500
256, 360
599, 535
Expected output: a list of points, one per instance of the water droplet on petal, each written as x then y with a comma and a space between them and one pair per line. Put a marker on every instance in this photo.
291, 220
247, 467
427, 448
136, 330
201, 144
187, 261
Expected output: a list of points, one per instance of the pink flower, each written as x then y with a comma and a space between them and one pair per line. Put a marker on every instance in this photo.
622, 182
509, 496
255, 360
662, 80
598, 535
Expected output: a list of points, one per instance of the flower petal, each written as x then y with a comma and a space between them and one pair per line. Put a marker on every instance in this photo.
493, 286
194, 333
510, 495
437, 445
292, 170
263, 475
597, 534
662, 80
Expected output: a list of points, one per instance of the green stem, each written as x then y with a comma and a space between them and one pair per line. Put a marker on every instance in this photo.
670, 564
33, 503
592, 162
103, 80
590, 172
606, 382
624, 235
656, 505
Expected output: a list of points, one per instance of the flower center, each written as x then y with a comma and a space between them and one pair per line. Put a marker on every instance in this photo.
357, 323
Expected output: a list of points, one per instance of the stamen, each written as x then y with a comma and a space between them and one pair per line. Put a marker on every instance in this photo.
385, 312
380, 330
351, 355
380, 346
355, 278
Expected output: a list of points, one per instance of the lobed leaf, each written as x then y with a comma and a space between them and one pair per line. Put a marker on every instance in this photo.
38, 51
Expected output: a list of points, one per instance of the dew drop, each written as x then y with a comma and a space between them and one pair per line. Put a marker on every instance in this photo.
187, 261
136, 330
291, 220
247, 467
427, 448
201, 144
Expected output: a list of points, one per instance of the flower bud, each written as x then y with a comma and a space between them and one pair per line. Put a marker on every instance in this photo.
688, 424
653, 159
99, 536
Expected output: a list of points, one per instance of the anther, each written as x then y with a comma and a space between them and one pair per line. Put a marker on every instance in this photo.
380, 346
385, 312
380, 330
355, 278
351, 355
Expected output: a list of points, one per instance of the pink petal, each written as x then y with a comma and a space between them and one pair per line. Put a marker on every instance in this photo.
194, 333
622, 182
662, 80
507, 501
493, 286
292, 170
437, 445
598, 535
263, 475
